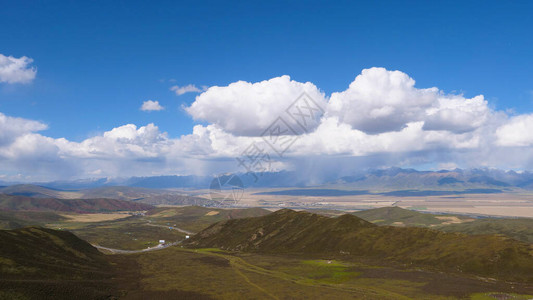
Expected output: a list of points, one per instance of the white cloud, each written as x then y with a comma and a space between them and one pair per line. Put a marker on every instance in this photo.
457, 114
11, 128
126, 141
151, 106
244, 108
191, 88
517, 132
16, 70
379, 101
381, 116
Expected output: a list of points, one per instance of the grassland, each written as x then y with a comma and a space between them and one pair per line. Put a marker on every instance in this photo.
142, 231
397, 216
196, 218
132, 233
348, 236
400, 263
217, 274
520, 229
18, 219
92, 218
40, 263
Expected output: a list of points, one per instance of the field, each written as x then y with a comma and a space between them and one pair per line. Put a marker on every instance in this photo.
508, 203
90, 218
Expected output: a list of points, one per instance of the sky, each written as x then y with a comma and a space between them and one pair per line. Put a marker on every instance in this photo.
139, 88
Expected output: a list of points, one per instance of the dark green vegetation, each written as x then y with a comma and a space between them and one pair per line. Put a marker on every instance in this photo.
520, 229
214, 274
282, 255
10, 202
347, 236
18, 219
40, 263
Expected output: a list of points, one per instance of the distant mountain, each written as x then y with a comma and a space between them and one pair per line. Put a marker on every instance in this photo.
11, 202
137, 194
30, 190
290, 232
372, 179
396, 178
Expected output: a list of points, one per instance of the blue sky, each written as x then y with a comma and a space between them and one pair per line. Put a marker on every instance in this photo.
98, 61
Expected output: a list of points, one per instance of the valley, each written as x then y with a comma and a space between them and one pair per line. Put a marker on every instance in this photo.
207, 252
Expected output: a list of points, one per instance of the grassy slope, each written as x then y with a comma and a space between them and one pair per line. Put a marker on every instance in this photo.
287, 231
519, 229
9, 202
196, 218
40, 263
391, 215
18, 219
176, 272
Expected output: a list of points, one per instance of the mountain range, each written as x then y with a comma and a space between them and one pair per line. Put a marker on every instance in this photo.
390, 178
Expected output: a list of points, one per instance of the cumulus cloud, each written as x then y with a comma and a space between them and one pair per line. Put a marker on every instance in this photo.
381, 117
457, 114
16, 70
244, 108
126, 141
379, 101
516, 132
11, 128
191, 88
151, 106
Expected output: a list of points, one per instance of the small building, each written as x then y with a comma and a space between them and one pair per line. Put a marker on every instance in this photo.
161, 242
186, 236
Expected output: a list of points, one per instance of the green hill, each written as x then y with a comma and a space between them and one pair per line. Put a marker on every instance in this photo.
10, 202
287, 231
18, 219
520, 229
403, 217
40, 263
30, 190
196, 218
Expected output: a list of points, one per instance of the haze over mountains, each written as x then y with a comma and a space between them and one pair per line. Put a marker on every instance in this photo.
390, 178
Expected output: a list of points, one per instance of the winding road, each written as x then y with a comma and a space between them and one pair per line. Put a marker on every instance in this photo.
158, 247
120, 251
